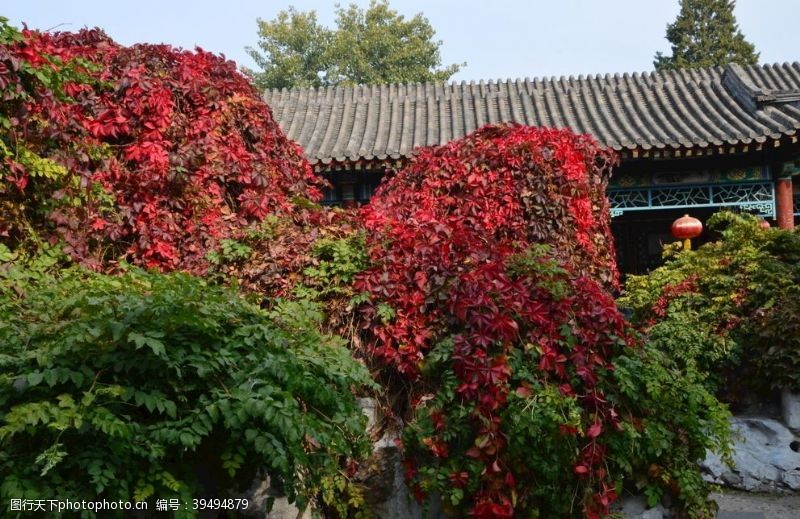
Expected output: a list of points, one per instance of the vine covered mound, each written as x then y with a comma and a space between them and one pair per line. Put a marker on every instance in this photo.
471, 204
148, 153
491, 260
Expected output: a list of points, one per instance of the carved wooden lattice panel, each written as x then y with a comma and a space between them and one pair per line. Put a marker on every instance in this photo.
757, 197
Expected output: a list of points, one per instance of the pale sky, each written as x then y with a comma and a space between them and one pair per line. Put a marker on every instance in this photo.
497, 38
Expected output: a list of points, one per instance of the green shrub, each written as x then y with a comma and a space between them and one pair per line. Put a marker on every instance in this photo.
729, 308
681, 420
161, 386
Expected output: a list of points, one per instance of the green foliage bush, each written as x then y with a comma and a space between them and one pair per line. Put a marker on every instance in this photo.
729, 308
146, 385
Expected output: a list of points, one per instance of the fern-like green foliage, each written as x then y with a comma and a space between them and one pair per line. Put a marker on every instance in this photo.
150, 386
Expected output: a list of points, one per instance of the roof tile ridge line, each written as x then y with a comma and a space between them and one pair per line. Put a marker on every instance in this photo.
468, 109
795, 112
445, 132
786, 122
504, 112
357, 131
576, 99
541, 115
324, 110
731, 112
394, 134
492, 103
793, 69
641, 96
605, 133
766, 116
551, 108
431, 117
345, 129
366, 144
300, 100
420, 116
777, 78
692, 99
566, 109
309, 121
516, 94
635, 117
385, 102
456, 117
617, 110
326, 146
735, 80
461, 107
288, 110
479, 105
667, 101
526, 94
443, 89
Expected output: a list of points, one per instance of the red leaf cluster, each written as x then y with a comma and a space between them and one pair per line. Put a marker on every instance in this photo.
444, 234
451, 217
169, 151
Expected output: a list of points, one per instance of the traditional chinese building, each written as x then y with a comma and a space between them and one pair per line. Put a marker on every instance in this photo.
690, 141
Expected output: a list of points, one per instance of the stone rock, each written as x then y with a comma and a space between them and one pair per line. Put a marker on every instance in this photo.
763, 459
283, 509
385, 491
635, 507
369, 406
381, 476
790, 406
632, 505
653, 513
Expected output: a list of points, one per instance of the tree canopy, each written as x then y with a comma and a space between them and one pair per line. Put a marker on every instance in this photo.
706, 34
368, 46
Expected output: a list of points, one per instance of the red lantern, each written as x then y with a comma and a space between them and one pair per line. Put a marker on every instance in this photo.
685, 228
764, 224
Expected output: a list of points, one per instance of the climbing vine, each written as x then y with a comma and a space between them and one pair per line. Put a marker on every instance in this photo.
146, 153
488, 289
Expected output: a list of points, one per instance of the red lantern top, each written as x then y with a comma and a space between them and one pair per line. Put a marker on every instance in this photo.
764, 224
686, 227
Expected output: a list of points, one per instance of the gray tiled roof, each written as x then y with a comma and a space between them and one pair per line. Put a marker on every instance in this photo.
687, 109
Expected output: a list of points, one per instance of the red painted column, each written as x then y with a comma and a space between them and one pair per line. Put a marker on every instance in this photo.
784, 203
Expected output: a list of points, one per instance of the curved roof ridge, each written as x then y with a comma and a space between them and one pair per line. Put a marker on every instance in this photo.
452, 84
650, 110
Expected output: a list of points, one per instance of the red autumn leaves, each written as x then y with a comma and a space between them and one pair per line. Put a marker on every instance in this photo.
443, 235
169, 151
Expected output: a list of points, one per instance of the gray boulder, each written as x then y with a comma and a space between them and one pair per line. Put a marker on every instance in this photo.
635, 507
763, 459
790, 406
